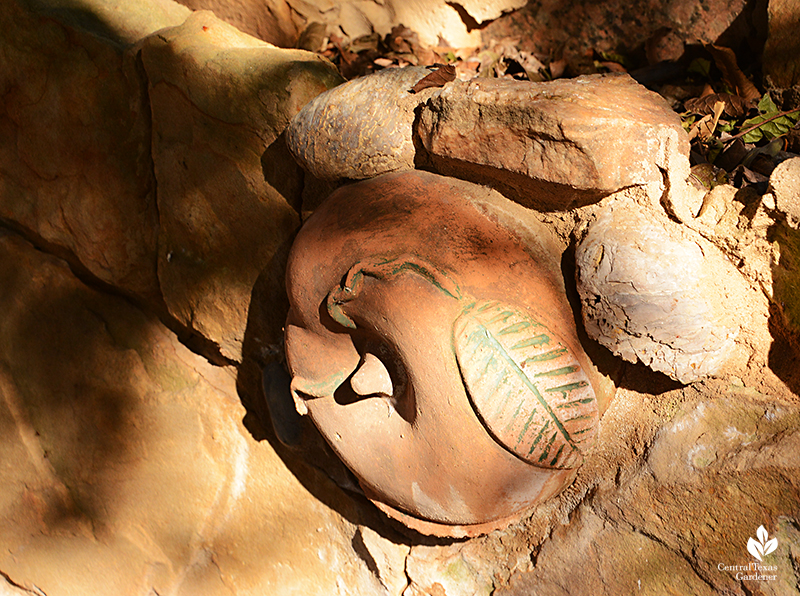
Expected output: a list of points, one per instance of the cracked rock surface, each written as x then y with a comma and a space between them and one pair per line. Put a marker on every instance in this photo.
556, 145
126, 468
655, 292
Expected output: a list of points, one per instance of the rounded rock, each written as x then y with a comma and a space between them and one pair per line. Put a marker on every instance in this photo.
360, 129
652, 292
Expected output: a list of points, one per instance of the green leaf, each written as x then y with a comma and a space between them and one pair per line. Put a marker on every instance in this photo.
768, 130
766, 106
754, 136
526, 386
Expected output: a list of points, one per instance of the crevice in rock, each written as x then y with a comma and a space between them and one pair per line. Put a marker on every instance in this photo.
360, 548
407, 576
660, 541
152, 305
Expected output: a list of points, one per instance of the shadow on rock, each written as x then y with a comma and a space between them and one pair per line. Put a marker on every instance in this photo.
68, 354
784, 321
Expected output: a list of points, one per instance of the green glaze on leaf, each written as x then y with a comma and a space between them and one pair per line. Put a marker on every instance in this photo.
525, 385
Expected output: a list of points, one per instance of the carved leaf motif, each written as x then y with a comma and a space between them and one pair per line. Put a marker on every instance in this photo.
525, 385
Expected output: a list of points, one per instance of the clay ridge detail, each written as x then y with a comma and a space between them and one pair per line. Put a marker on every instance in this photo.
383, 268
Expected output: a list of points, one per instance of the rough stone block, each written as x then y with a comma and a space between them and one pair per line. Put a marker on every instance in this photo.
782, 50
361, 129
228, 191
75, 166
558, 144
125, 467
784, 184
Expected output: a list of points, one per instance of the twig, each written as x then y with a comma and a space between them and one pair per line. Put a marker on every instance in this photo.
760, 124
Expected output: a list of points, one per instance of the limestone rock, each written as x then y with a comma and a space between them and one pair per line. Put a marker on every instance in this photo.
558, 144
75, 151
125, 467
784, 184
360, 129
228, 191
273, 21
437, 570
280, 21
651, 292
122, 22
786, 276
721, 468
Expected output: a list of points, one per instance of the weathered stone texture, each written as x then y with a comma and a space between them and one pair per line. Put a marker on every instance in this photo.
361, 129
228, 191
273, 21
571, 28
557, 144
654, 292
784, 184
281, 21
719, 469
782, 50
157, 169
75, 168
121, 22
125, 467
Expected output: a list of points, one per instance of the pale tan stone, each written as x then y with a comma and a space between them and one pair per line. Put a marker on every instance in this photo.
656, 292
723, 465
281, 21
125, 467
559, 144
784, 184
228, 191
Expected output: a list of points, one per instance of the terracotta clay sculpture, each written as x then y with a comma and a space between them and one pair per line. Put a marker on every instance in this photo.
437, 353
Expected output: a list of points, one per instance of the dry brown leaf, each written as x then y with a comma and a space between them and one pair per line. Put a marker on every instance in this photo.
701, 124
614, 66
402, 40
438, 78
735, 106
725, 60
557, 68
704, 128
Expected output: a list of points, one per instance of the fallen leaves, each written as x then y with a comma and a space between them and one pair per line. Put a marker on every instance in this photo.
438, 78
732, 75
735, 105
705, 127
770, 123
739, 132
